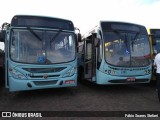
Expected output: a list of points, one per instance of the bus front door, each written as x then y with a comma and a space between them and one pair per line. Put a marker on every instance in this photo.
90, 60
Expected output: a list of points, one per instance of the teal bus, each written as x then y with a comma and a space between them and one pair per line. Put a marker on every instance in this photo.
115, 53
40, 53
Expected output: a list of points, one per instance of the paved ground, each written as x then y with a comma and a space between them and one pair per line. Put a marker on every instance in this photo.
85, 97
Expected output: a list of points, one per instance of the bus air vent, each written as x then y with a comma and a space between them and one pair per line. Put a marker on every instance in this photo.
44, 70
39, 83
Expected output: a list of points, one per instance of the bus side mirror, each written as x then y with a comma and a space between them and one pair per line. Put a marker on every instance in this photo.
96, 42
95, 39
2, 36
79, 38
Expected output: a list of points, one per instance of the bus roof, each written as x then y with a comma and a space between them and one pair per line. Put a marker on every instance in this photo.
41, 22
120, 22
116, 25
124, 26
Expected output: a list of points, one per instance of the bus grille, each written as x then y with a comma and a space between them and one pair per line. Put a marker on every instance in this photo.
44, 70
45, 82
41, 76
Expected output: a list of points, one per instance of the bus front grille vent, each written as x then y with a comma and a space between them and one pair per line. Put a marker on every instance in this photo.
42, 76
39, 83
44, 70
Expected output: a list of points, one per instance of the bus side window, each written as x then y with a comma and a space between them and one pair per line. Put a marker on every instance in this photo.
89, 51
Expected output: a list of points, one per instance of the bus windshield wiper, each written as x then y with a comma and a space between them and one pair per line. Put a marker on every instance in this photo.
34, 33
125, 39
126, 43
55, 36
134, 39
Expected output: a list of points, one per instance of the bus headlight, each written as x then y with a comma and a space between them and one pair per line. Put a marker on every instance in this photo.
71, 72
16, 74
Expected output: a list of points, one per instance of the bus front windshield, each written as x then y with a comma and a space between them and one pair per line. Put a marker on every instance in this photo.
126, 49
41, 46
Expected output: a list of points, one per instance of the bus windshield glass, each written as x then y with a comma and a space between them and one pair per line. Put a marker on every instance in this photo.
35, 46
127, 49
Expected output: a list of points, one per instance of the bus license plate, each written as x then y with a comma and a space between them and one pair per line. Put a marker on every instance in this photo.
131, 79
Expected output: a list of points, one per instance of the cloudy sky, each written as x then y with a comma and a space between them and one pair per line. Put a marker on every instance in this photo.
86, 13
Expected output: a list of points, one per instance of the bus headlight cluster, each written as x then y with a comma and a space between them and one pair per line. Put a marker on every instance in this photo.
16, 74
71, 72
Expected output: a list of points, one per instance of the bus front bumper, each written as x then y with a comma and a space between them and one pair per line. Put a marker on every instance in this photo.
103, 78
21, 85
